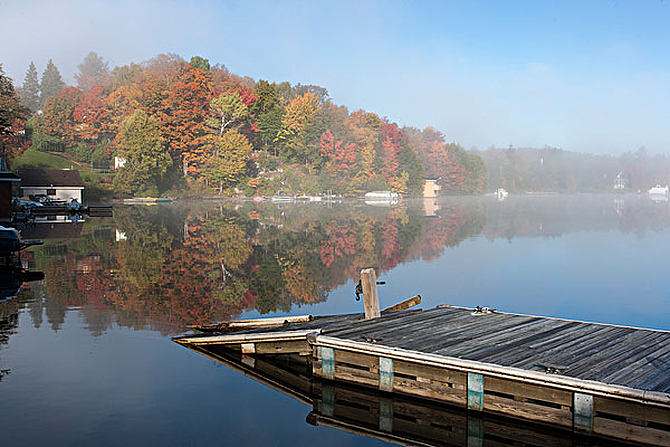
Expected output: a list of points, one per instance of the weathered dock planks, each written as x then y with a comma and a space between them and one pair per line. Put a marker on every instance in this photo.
591, 378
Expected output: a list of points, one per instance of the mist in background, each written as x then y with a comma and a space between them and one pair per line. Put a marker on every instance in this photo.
582, 76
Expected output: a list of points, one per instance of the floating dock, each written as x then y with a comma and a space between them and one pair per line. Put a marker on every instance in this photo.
589, 378
393, 418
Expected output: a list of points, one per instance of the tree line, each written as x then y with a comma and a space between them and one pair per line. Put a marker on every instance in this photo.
183, 123
555, 170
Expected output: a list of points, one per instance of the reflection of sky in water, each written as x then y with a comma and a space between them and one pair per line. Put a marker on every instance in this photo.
106, 374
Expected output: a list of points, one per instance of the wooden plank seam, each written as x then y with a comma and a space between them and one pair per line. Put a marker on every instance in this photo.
385, 374
582, 412
475, 391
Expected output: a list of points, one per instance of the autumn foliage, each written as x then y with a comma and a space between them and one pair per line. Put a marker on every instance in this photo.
224, 131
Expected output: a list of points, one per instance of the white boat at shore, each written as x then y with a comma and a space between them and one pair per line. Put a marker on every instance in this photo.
382, 195
659, 190
501, 194
381, 198
282, 197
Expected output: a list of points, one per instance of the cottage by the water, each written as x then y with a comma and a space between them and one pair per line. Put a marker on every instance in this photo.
57, 184
431, 187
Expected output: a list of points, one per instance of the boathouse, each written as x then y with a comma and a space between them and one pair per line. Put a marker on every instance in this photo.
431, 188
57, 184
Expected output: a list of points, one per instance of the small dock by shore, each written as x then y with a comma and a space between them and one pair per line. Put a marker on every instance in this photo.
595, 379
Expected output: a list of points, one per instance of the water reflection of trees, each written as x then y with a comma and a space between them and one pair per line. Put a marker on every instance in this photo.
165, 268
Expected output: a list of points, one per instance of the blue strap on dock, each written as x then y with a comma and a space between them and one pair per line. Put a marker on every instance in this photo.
385, 374
475, 391
327, 362
582, 412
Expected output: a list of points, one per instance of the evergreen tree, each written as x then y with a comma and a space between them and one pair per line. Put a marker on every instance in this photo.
200, 62
92, 71
52, 82
30, 92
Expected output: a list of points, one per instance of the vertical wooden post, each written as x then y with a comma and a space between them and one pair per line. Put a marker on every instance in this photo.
370, 297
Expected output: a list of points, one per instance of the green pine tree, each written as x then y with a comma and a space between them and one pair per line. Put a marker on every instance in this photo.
30, 92
52, 82
92, 71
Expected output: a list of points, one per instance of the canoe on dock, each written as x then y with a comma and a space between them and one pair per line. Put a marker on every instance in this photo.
592, 378
393, 418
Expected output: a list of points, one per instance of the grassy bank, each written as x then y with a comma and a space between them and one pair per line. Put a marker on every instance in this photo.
97, 184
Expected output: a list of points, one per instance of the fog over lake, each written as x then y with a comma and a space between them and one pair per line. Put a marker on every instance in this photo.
89, 347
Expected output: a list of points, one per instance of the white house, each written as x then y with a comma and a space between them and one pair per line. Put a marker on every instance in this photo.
119, 162
57, 184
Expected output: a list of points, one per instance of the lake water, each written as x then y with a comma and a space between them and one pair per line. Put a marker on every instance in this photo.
86, 355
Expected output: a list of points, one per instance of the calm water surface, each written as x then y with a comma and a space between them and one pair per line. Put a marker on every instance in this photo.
86, 355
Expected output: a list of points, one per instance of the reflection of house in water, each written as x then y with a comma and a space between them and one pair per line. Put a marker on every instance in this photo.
391, 418
430, 207
52, 230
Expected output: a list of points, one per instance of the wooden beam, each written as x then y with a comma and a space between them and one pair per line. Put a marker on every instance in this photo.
403, 305
252, 324
236, 339
370, 297
489, 369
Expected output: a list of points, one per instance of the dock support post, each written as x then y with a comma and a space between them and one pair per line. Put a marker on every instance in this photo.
370, 297
475, 391
327, 362
248, 348
582, 412
385, 374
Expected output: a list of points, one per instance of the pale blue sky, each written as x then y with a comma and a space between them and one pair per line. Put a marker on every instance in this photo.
585, 75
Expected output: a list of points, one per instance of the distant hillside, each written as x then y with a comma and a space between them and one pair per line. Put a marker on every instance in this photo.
556, 170
194, 126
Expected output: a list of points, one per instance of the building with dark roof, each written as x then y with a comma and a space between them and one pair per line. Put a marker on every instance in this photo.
57, 184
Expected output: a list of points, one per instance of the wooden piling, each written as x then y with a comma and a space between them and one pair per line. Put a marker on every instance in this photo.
370, 296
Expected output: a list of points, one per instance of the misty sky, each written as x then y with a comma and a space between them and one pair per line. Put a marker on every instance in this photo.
586, 75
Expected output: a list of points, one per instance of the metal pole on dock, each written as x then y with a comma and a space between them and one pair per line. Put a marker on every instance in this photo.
370, 296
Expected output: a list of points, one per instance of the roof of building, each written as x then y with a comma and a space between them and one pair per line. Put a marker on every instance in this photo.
9, 177
50, 177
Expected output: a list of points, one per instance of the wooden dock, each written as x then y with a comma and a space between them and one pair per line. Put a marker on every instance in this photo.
393, 418
594, 379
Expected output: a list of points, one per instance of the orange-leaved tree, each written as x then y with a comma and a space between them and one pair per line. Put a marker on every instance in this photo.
184, 115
